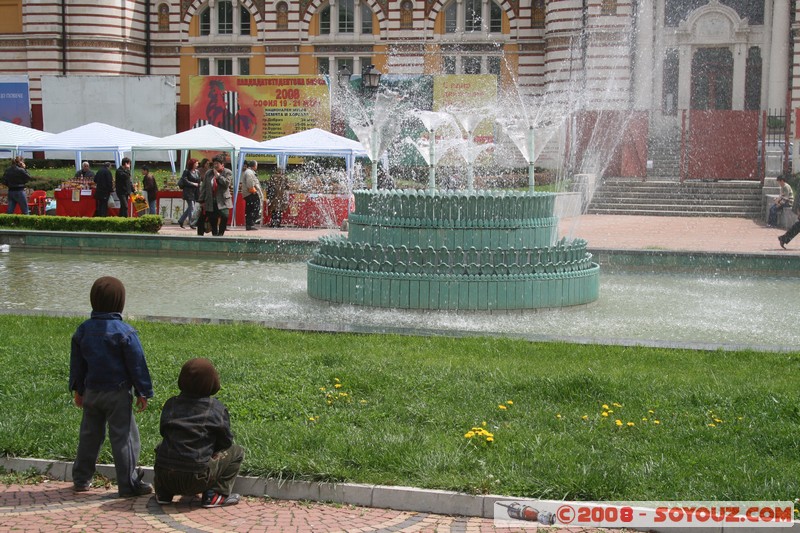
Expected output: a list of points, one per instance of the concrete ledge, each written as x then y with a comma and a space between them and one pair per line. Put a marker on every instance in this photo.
379, 496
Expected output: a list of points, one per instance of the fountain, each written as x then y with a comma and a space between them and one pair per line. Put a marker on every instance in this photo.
454, 250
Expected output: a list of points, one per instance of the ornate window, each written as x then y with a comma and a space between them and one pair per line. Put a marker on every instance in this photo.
341, 18
282, 15
608, 7
538, 12
223, 19
406, 15
468, 17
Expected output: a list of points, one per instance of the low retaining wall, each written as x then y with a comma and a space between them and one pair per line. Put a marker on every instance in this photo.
296, 250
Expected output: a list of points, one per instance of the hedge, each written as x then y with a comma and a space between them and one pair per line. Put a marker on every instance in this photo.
142, 224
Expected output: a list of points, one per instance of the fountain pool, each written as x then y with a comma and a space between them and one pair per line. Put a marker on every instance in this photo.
705, 310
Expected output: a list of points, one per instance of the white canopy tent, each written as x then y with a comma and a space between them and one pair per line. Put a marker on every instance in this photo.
92, 137
313, 142
13, 135
208, 138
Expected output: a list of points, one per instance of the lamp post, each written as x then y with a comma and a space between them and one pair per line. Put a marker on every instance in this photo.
343, 76
370, 79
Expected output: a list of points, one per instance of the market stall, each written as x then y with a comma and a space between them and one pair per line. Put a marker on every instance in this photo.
171, 206
313, 210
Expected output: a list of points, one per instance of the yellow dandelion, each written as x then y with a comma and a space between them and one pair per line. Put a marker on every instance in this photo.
362, 401
329, 402
718, 421
336, 380
651, 412
605, 406
489, 439
712, 425
343, 394
605, 413
510, 402
610, 410
644, 419
558, 416
322, 389
338, 386
656, 422
618, 422
502, 407
630, 424
483, 423
615, 404
469, 434
585, 417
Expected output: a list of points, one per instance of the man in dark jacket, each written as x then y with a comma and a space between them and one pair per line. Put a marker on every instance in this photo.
197, 453
104, 183
123, 185
15, 178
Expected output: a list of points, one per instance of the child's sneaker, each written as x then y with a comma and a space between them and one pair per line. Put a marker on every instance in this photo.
163, 499
215, 499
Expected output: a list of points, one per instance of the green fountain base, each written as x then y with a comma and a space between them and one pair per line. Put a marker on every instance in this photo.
484, 250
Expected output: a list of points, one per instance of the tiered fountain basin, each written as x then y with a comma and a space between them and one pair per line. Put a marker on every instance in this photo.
479, 250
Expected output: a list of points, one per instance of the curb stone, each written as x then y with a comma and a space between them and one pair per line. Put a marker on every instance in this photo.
378, 496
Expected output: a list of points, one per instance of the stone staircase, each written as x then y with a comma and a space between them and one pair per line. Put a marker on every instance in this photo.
669, 197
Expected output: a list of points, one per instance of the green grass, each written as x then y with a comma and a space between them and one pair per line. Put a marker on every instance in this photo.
410, 401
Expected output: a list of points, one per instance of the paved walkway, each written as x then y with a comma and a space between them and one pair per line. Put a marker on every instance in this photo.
53, 506
700, 234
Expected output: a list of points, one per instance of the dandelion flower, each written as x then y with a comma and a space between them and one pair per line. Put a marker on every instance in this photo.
510, 402
605, 406
618, 422
610, 410
502, 407
615, 404
558, 416
322, 389
338, 386
362, 401
336, 380
712, 425
489, 439
656, 422
469, 434
651, 412
630, 424
483, 423
644, 419
585, 417
605, 413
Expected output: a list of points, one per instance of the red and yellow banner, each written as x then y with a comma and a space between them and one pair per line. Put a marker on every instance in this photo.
260, 107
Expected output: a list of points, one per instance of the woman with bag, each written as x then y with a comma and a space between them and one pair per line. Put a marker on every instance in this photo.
190, 184
150, 187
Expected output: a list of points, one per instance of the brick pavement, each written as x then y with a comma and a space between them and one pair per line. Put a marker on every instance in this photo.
53, 506
625, 232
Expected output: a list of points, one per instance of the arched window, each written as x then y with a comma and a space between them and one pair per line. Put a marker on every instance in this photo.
225, 18
406, 15
538, 14
325, 21
347, 17
451, 17
282, 15
205, 22
341, 18
244, 21
366, 19
468, 17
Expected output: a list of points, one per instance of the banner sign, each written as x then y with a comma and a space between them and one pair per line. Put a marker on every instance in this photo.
15, 106
260, 107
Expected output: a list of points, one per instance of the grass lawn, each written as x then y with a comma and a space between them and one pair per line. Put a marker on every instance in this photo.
566, 421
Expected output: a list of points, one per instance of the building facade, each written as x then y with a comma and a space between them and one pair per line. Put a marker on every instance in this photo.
656, 56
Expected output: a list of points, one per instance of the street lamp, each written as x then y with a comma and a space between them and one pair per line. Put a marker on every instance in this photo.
370, 77
344, 75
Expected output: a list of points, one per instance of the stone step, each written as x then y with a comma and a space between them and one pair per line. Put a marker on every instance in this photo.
653, 200
671, 206
675, 213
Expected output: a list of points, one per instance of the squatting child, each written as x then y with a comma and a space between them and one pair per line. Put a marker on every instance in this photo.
197, 453
107, 369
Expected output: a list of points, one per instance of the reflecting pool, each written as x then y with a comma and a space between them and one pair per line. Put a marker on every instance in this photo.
704, 310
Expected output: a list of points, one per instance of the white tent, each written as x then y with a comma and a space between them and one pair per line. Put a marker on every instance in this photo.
93, 137
313, 142
209, 138
13, 135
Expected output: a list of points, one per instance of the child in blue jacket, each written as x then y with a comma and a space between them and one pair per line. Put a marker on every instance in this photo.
107, 370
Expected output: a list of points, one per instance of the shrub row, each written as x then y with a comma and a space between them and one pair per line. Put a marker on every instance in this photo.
142, 224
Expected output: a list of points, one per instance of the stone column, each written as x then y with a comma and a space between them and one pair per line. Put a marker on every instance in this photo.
779, 56
684, 76
459, 16
739, 71
645, 61
334, 18
357, 17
